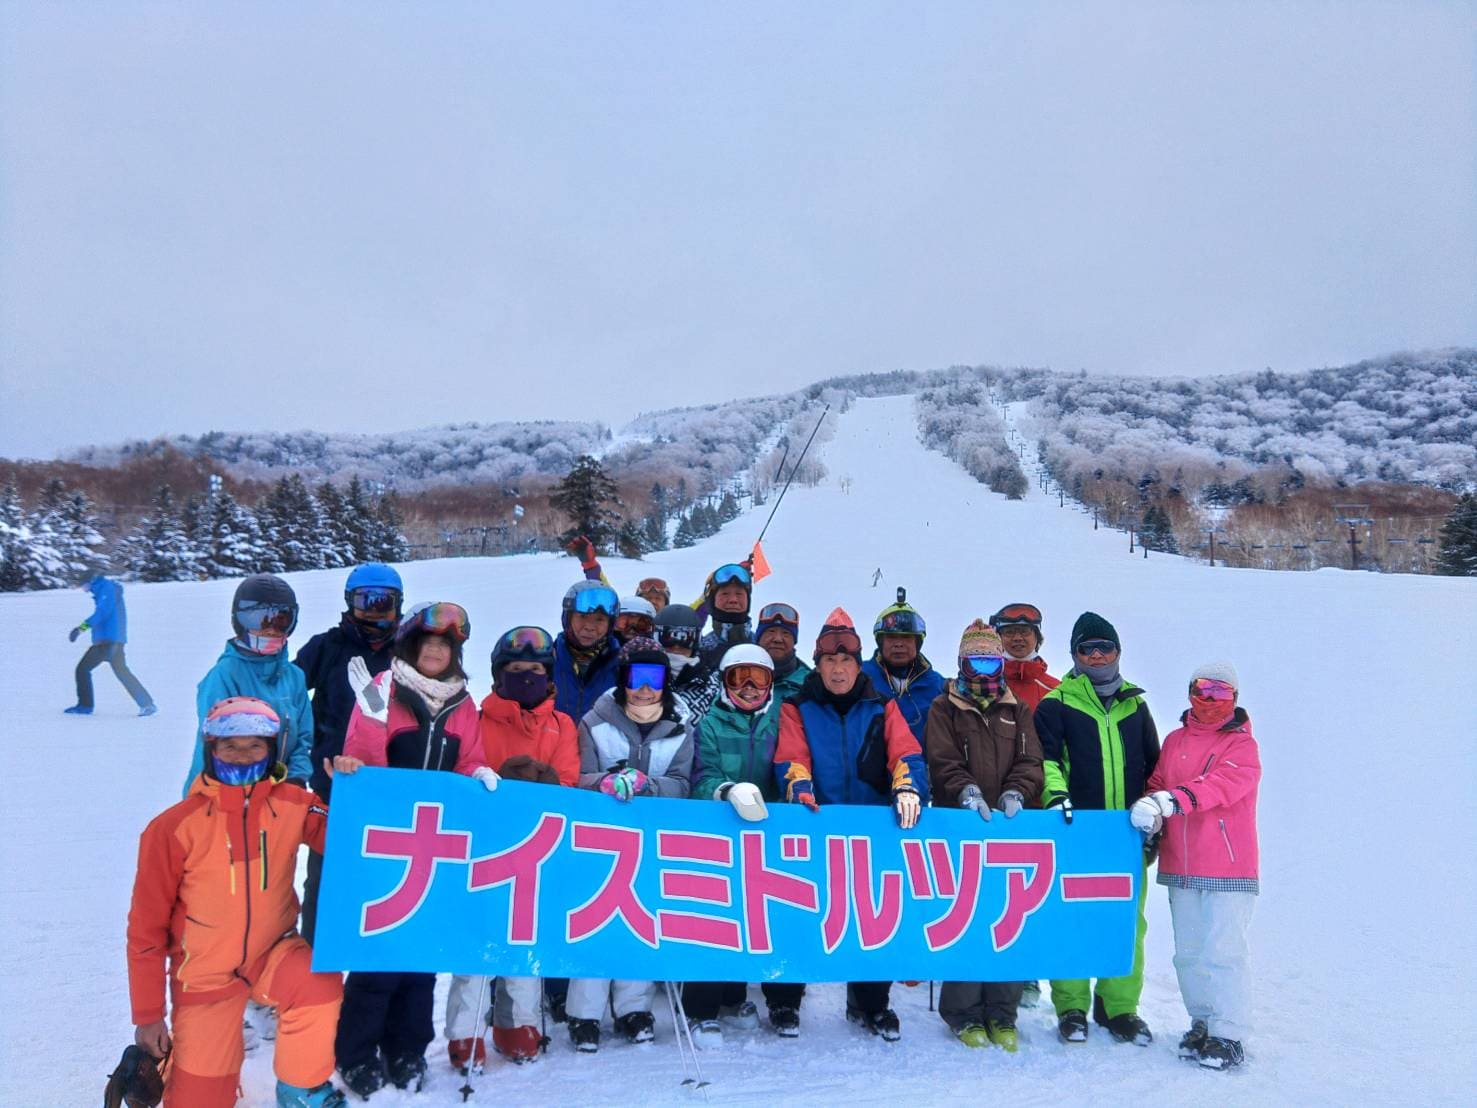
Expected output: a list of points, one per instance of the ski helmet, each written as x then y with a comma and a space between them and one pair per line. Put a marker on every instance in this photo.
729, 574
589, 596
744, 661
380, 593
899, 619
1019, 615
523, 644
637, 616
643, 652
678, 625
240, 717
439, 618
264, 613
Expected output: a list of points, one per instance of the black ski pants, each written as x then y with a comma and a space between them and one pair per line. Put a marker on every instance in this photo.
702, 999
386, 1013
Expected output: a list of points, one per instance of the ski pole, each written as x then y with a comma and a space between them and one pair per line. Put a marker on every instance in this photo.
793, 470
467, 1090
687, 1078
702, 1082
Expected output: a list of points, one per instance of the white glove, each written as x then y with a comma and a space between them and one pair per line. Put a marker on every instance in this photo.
747, 801
367, 693
1011, 803
1149, 813
488, 778
908, 808
974, 800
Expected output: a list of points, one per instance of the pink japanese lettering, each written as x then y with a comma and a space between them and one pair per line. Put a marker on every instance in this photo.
697, 928
423, 847
949, 928
521, 865
762, 885
617, 896
1079, 887
1023, 895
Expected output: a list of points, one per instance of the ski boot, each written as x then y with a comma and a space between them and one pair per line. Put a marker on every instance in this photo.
706, 1034
742, 1016
1193, 1041
1221, 1054
465, 1054
584, 1034
517, 1044
785, 1021
1030, 994
77, 710
365, 1079
1071, 1027
637, 1027
1003, 1035
973, 1035
408, 1071
883, 1024
1127, 1028
320, 1096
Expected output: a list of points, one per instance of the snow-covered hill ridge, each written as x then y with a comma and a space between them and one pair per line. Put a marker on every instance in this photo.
1357, 683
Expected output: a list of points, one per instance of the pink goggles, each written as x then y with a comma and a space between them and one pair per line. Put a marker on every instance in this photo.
1204, 688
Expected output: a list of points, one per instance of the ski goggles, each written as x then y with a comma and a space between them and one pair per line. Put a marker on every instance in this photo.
983, 665
603, 600
442, 618
650, 586
779, 615
900, 623
732, 574
1017, 615
267, 619
647, 675
1096, 646
1206, 689
634, 622
678, 636
838, 642
526, 641
748, 676
375, 601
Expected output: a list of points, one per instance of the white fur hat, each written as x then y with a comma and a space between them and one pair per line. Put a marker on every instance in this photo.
1218, 671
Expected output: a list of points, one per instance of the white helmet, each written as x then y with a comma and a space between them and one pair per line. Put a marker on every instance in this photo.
746, 654
636, 606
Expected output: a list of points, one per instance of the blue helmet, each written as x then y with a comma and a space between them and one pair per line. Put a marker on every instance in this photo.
373, 595
590, 596
373, 575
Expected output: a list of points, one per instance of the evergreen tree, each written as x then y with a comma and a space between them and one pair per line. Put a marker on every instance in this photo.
66, 525
358, 521
728, 508
387, 534
293, 525
15, 542
631, 539
1457, 554
337, 542
654, 532
158, 548
588, 497
232, 543
684, 536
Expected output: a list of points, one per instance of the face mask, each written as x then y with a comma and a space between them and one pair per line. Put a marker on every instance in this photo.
264, 644
228, 773
528, 689
1212, 712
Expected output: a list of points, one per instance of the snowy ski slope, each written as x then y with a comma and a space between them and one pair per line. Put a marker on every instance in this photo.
1360, 686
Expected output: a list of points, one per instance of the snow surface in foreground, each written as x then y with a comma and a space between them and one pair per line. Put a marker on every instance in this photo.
1359, 684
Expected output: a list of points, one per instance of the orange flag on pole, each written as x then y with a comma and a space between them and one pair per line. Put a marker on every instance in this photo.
761, 568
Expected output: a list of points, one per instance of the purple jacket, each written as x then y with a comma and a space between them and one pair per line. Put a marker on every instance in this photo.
1213, 773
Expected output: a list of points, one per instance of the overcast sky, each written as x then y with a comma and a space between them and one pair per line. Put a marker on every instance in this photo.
241, 216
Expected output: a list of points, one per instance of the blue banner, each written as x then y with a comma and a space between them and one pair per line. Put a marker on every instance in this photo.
431, 872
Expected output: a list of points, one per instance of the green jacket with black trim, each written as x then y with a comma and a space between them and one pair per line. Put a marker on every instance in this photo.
1099, 755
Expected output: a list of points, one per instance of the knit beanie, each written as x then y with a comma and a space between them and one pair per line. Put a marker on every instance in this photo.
1218, 671
980, 638
1090, 625
838, 636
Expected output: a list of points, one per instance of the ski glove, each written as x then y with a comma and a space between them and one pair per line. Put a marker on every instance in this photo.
746, 799
974, 800
623, 784
1011, 803
908, 806
803, 792
367, 694
488, 778
75, 631
583, 549
1064, 806
1148, 813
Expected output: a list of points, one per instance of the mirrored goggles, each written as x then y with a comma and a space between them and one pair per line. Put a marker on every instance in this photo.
678, 636
375, 602
1017, 614
748, 675
527, 640
634, 622
267, 619
1206, 689
983, 665
445, 618
900, 623
653, 585
778, 613
647, 675
732, 573
590, 601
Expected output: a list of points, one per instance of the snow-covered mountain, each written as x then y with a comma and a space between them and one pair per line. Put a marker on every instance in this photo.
1362, 940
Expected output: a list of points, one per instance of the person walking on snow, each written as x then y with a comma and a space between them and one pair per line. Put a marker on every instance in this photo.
585, 652
734, 761
1019, 626
632, 744
254, 663
1202, 803
214, 914
983, 755
109, 626
837, 711
524, 738
898, 670
373, 596
1100, 746
778, 630
416, 715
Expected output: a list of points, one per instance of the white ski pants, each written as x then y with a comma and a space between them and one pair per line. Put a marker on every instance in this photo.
587, 997
1211, 958
515, 1002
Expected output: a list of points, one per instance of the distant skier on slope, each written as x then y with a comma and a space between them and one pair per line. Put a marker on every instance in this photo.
109, 626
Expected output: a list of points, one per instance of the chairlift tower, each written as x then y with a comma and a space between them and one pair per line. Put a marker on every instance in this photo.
1353, 516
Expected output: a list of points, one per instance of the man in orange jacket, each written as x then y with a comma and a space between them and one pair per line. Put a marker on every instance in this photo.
214, 898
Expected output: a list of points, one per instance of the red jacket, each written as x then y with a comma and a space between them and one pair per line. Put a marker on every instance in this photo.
543, 733
1213, 774
1028, 680
214, 890
411, 737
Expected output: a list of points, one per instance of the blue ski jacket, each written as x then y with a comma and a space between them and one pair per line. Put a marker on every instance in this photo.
109, 619
914, 694
575, 694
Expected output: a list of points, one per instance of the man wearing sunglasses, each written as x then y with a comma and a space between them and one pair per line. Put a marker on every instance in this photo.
898, 670
585, 652
777, 631
841, 742
1100, 746
373, 596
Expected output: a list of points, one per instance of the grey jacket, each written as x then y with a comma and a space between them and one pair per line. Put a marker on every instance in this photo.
608, 737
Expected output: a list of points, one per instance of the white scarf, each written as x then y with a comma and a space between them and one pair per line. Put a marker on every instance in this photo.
644, 713
433, 691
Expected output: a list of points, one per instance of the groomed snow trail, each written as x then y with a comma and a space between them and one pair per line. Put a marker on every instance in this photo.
1359, 686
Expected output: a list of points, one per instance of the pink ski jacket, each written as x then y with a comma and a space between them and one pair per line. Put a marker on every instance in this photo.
1213, 774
